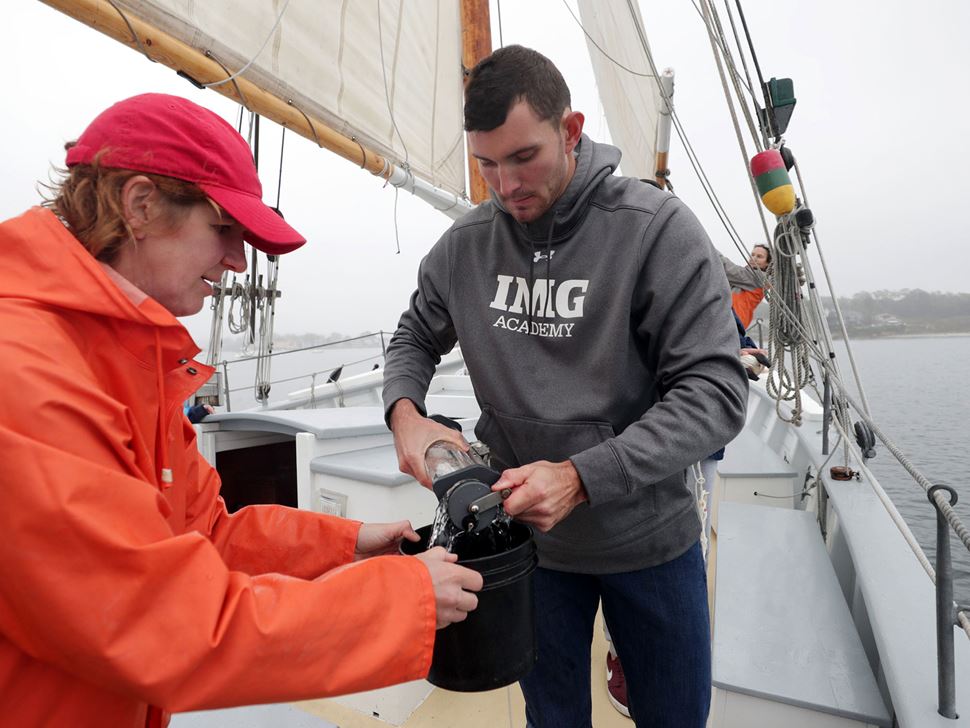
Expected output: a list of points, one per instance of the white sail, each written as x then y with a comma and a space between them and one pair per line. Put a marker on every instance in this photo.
387, 73
624, 77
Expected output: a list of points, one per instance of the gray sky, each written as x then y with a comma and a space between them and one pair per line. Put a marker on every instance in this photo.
879, 132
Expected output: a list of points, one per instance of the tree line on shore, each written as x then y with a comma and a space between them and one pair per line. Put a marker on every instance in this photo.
876, 313
908, 311
894, 313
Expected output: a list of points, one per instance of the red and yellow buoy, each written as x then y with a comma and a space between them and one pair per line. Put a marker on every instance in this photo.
774, 184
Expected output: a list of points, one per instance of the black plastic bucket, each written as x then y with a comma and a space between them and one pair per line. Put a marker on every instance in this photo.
495, 645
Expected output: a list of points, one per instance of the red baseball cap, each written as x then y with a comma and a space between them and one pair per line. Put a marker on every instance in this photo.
171, 136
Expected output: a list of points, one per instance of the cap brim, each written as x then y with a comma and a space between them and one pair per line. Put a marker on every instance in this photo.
266, 229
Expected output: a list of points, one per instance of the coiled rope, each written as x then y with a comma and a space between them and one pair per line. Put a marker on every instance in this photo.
700, 495
238, 300
786, 325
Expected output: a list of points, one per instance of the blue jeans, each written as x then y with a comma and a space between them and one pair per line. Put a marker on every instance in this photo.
659, 622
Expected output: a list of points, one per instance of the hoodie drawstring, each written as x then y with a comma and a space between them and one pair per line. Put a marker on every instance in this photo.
552, 226
532, 276
532, 281
165, 472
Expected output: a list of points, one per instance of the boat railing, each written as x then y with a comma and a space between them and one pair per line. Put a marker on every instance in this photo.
759, 326
332, 370
798, 327
948, 612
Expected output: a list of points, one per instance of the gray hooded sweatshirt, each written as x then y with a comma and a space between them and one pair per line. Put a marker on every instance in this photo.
600, 333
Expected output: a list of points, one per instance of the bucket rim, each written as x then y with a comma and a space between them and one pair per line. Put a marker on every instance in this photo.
412, 548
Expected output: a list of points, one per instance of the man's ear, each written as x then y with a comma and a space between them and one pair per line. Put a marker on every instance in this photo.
572, 128
139, 199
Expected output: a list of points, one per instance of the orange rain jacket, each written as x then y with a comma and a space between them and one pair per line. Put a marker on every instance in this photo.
745, 302
119, 591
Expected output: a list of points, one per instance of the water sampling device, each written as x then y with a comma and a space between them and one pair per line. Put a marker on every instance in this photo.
495, 645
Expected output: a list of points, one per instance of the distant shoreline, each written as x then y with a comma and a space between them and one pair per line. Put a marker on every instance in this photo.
857, 336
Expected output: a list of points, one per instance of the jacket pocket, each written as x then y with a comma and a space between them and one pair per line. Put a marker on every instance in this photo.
518, 440
515, 441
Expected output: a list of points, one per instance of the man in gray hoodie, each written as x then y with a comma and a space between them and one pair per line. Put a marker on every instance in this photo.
595, 322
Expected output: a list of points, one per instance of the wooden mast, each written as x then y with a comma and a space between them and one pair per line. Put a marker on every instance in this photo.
476, 43
159, 46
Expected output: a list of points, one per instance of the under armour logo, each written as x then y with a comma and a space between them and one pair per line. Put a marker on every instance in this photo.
539, 255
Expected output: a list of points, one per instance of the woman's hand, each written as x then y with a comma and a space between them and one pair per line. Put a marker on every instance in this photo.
380, 539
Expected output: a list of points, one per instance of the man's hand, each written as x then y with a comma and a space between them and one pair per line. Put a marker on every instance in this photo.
760, 355
453, 585
543, 493
413, 434
755, 361
380, 539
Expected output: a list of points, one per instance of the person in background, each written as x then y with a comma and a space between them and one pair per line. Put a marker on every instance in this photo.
126, 590
748, 282
594, 320
197, 412
704, 473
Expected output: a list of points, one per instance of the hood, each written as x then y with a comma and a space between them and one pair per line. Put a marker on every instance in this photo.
41, 261
594, 162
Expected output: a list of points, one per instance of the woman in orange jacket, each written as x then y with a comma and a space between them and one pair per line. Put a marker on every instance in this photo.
126, 590
748, 282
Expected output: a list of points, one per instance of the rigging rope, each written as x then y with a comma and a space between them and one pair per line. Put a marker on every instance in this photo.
900, 522
279, 178
134, 35
602, 50
749, 86
734, 118
238, 298
717, 38
678, 126
757, 68
789, 326
700, 495
786, 383
785, 316
252, 60
835, 300
267, 314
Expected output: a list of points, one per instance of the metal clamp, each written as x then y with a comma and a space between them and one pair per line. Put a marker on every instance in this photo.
489, 501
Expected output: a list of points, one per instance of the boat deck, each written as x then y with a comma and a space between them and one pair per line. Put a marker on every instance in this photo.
502, 708
442, 709
772, 473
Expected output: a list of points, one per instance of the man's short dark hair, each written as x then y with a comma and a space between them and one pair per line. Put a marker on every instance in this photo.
510, 74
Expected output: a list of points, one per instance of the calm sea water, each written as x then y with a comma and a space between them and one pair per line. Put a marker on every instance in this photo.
917, 389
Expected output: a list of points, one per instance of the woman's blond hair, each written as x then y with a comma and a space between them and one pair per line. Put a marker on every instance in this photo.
88, 200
